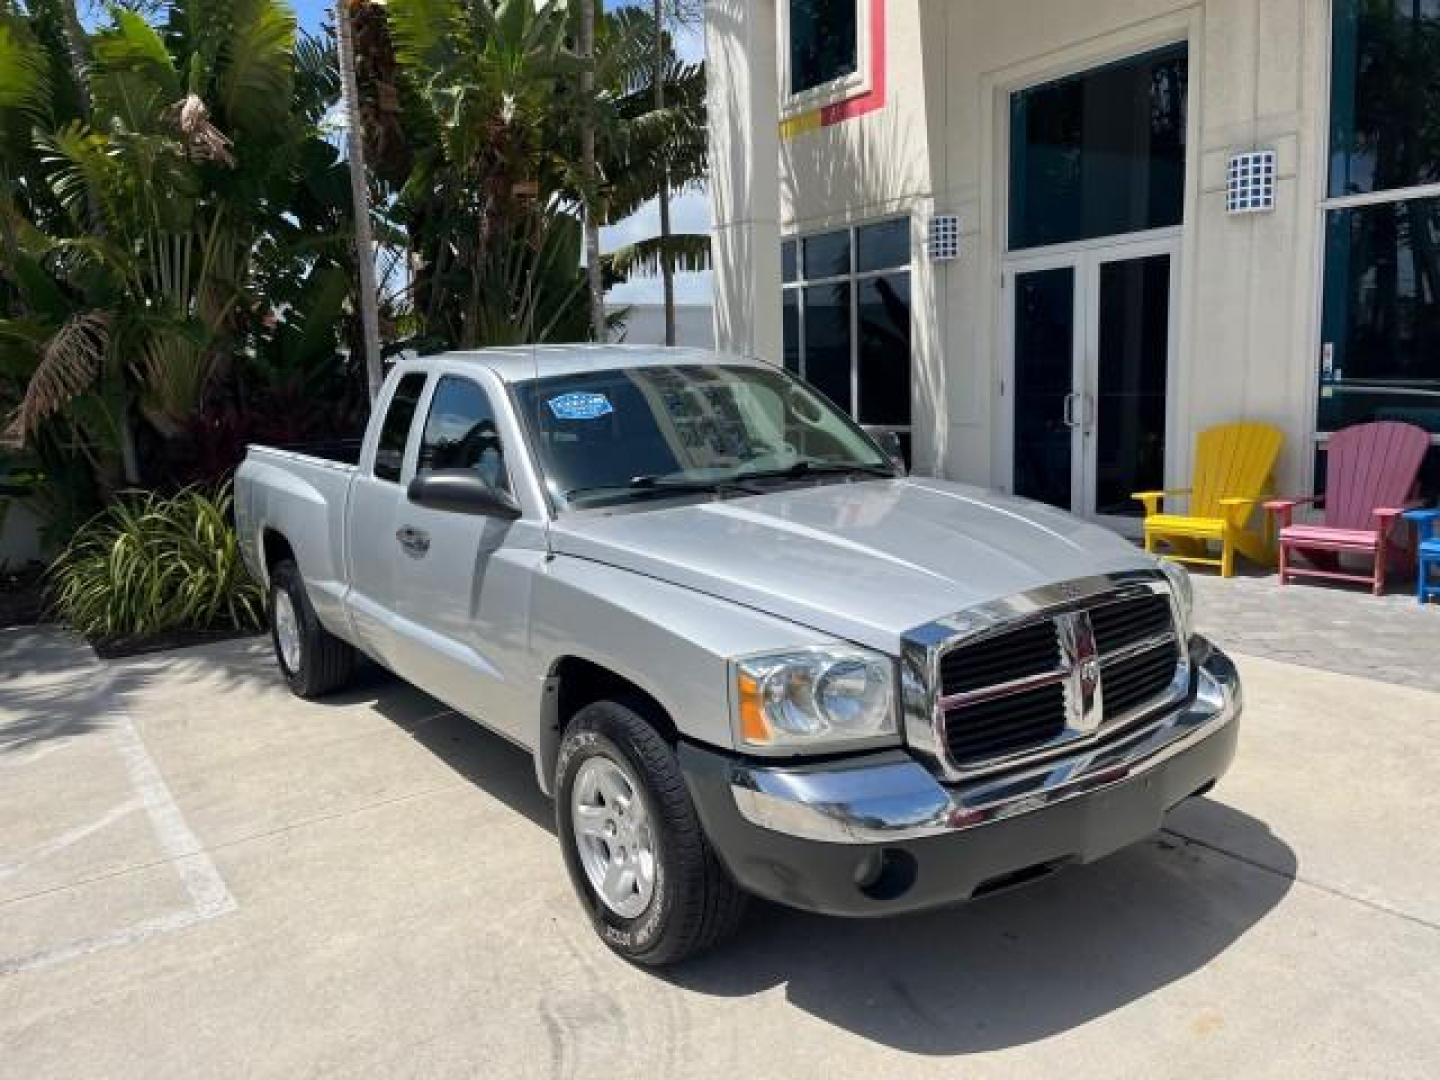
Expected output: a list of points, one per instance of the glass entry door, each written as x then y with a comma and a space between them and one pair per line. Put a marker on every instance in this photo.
1091, 339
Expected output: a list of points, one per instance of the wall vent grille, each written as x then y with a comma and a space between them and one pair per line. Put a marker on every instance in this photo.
1250, 183
943, 243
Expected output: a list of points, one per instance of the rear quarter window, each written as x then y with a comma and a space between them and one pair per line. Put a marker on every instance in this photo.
395, 432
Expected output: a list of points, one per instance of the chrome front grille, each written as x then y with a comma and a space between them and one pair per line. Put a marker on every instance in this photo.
1126, 622
1030, 650
1023, 689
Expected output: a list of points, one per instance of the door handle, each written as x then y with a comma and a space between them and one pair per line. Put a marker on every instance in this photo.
415, 541
1068, 412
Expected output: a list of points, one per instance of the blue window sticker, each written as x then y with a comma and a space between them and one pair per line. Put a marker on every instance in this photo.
580, 406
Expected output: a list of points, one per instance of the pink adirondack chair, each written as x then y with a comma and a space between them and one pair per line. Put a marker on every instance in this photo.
1371, 475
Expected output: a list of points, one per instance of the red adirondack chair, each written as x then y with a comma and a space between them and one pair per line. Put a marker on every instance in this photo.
1371, 471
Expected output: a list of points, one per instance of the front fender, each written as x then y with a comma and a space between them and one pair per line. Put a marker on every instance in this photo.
673, 643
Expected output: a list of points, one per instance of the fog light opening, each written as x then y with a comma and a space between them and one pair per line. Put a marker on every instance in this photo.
886, 874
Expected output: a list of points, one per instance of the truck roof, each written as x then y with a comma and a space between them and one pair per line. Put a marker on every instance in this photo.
523, 362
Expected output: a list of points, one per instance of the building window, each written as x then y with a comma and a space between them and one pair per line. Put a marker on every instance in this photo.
1100, 153
1381, 312
824, 42
1385, 89
846, 320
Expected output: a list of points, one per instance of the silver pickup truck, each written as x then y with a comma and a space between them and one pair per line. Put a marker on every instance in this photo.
749, 654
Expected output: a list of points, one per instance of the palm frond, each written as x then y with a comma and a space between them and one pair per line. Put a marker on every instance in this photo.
203, 140
24, 70
687, 252
258, 72
70, 364
426, 31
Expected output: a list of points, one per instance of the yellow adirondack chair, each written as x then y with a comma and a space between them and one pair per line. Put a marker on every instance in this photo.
1233, 463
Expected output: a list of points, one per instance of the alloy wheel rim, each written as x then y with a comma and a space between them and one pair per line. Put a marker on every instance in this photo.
287, 631
614, 836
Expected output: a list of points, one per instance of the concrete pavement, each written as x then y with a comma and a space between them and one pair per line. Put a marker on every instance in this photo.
200, 875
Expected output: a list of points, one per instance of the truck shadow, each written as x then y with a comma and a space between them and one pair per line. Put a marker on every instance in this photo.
1001, 972
1020, 966
495, 765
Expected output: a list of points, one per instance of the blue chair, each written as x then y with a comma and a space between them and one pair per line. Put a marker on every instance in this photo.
1425, 524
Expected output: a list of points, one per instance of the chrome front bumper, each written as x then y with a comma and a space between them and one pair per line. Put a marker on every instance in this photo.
899, 799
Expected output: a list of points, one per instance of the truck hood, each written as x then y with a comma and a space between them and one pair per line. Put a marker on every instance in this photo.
863, 561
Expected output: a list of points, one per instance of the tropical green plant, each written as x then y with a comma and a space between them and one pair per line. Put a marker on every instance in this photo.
461, 104
152, 564
164, 207
476, 115
663, 149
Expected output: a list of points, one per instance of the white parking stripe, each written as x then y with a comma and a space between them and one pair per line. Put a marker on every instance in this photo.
208, 894
130, 935
203, 882
69, 838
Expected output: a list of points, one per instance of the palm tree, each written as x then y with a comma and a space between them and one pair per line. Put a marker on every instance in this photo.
662, 148
667, 267
360, 200
149, 241
590, 176
470, 106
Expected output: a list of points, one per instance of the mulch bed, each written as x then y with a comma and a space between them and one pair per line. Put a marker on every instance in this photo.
22, 603
115, 648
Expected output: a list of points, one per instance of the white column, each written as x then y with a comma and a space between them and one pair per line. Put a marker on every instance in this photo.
744, 104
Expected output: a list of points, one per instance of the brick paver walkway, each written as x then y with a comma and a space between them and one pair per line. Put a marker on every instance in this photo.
1390, 638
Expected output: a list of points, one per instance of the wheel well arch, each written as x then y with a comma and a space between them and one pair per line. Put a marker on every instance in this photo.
574, 682
274, 548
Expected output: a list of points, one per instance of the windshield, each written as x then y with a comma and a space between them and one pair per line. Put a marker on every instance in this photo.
642, 432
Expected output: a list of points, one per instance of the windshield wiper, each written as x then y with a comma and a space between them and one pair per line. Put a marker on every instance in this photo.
656, 485
806, 467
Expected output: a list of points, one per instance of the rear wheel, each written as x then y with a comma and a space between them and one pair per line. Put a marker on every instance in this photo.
313, 660
633, 844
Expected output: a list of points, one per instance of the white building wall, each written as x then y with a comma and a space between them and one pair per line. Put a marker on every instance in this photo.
1249, 285
742, 94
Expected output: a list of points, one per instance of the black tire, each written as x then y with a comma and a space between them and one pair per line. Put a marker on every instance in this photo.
695, 904
326, 663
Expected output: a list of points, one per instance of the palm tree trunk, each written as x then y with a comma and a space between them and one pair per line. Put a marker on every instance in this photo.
360, 200
78, 46
667, 268
587, 165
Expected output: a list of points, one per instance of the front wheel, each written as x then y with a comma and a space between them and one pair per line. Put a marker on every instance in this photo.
313, 660
633, 844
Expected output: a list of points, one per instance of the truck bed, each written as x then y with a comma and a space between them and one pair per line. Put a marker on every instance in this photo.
301, 495
338, 451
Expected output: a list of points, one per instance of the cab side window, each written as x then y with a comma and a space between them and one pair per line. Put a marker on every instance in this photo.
390, 450
460, 433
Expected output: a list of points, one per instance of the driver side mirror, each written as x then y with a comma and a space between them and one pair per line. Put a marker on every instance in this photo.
462, 491
894, 449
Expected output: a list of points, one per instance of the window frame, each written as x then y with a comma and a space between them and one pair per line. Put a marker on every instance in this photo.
1330, 204
844, 88
852, 278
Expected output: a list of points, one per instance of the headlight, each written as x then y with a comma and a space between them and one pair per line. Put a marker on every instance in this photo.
814, 699
1184, 594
